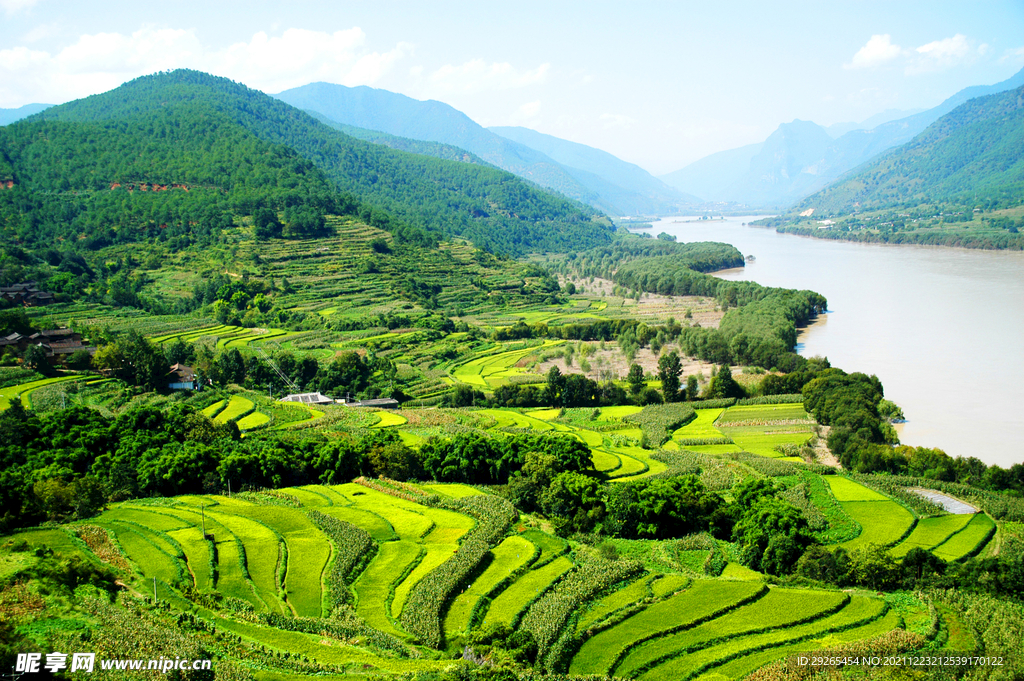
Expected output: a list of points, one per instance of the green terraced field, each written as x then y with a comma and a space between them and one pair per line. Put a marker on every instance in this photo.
235, 408
930, 532
376, 584
845, 489
493, 369
702, 426
882, 522
777, 609
507, 606
860, 610
969, 540
505, 559
252, 421
764, 412
600, 653
25, 389
762, 440
388, 418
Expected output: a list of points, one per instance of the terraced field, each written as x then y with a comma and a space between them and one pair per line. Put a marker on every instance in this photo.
494, 369
652, 625
759, 429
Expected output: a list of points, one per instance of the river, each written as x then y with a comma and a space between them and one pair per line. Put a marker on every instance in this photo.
941, 327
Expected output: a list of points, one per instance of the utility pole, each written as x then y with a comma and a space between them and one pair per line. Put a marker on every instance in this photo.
154, 590
202, 510
229, 487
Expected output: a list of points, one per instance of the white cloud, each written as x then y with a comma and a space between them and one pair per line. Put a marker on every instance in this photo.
616, 120
1015, 55
877, 51
479, 76
101, 61
940, 55
14, 6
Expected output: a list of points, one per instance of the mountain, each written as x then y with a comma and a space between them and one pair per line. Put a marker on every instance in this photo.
772, 180
837, 130
447, 152
630, 187
434, 121
970, 156
8, 116
239, 150
711, 176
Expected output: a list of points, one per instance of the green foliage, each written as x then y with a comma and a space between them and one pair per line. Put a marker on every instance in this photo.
659, 420
351, 546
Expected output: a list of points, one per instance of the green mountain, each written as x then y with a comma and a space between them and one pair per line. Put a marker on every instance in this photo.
238, 150
971, 156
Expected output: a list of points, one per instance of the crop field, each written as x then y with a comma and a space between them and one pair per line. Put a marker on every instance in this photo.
24, 390
506, 560
653, 625
859, 611
845, 489
777, 609
602, 652
494, 369
969, 540
882, 522
236, 407
701, 427
930, 532
764, 412
510, 603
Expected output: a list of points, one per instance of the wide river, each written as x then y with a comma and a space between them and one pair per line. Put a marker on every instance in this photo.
943, 328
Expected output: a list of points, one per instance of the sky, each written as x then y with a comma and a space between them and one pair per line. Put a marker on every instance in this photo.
659, 84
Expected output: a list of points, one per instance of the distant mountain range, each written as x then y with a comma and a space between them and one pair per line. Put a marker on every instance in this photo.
577, 171
800, 158
971, 156
8, 116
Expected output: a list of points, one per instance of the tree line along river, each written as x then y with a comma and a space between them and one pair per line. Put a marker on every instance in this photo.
941, 327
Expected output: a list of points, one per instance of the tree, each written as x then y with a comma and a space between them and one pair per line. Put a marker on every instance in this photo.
574, 503
266, 225
724, 385
692, 388
635, 378
669, 370
35, 358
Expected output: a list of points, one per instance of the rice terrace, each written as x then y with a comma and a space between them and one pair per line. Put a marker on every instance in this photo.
295, 398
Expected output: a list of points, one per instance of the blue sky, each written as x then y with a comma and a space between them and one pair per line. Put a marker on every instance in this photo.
659, 84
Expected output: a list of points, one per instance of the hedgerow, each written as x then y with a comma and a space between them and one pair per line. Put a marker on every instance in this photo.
547, 618
772, 399
353, 546
657, 421
424, 609
344, 625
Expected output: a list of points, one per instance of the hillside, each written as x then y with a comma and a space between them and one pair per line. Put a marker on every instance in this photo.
153, 118
630, 187
800, 158
969, 157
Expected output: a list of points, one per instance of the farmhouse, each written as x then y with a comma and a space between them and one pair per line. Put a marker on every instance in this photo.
182, 377
308, 398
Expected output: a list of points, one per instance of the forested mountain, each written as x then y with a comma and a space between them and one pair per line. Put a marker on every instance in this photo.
631, 188
800, 158
237, 150
8, 116
396, 114
969, 157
